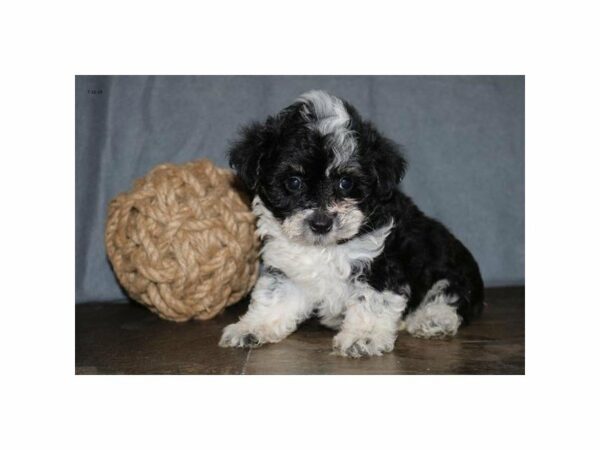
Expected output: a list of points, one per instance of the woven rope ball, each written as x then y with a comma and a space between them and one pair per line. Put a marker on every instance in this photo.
183, 242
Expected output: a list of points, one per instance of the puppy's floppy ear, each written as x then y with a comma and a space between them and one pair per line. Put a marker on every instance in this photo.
246, 154
388, 166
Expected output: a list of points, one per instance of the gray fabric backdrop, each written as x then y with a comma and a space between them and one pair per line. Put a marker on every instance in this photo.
464, 139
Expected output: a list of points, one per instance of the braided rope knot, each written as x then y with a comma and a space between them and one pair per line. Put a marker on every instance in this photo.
183, 241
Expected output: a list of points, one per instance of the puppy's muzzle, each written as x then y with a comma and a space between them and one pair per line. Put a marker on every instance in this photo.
320, 222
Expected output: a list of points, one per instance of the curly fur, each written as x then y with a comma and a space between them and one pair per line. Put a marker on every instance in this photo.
379, 266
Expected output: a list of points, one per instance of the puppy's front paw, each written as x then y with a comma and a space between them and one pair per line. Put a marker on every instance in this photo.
359, 345
236, 335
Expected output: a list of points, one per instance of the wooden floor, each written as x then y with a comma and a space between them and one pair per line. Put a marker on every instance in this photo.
117, 338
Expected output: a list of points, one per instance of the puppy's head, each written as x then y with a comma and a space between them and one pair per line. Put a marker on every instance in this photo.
319, 168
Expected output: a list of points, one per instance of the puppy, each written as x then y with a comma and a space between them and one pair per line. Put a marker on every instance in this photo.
340, 240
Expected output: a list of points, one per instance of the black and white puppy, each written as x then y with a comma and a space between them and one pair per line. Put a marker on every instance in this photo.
341, 241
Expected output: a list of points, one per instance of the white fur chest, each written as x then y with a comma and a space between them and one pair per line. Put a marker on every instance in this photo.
324, 272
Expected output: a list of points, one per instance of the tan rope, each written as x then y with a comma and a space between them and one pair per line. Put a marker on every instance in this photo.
183, 242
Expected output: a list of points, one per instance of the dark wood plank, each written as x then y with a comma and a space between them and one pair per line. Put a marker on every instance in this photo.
126, 338
118, 338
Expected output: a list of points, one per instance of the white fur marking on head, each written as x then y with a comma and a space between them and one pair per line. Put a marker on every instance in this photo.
331, 120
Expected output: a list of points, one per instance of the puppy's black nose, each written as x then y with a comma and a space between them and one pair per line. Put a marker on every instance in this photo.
320, 222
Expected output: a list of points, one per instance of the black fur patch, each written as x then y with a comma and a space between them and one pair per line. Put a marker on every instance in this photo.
418, 252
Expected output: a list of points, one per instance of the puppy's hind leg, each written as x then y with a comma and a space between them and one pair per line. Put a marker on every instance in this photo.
276, 308
437, 316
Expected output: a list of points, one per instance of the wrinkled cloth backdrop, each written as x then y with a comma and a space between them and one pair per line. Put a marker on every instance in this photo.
463, 135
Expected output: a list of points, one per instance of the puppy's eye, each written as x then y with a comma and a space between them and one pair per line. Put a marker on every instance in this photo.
293, 184
346, 184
